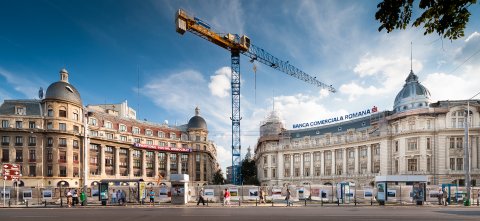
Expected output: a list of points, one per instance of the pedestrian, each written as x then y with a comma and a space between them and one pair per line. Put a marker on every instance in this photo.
83, 198
114, 197
152, 197
200, 197
262, 196
445, 197
69, 198
287, 197
226, 197
440, 196
124, 197
74, 198
118, 194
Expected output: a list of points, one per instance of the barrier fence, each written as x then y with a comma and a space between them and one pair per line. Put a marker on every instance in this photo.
308, 195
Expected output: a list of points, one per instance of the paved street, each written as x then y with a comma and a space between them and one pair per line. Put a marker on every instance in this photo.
243, 213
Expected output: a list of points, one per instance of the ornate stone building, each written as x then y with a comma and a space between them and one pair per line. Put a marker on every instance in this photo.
50, 138
417, 137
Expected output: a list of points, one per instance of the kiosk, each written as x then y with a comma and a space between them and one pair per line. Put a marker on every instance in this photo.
417, 181
179, 186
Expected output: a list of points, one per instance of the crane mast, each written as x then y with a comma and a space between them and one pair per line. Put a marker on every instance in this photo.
239, 45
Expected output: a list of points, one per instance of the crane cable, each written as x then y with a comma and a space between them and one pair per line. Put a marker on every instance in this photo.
255, 76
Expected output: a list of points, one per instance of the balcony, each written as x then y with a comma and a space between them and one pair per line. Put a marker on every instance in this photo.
19, 160
62, 160
32, 160
5, 160
62, 145
76, 162
32, 144
18, 144
5, 143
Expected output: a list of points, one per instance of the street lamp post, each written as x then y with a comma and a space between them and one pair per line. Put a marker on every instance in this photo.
61, 197
467, 153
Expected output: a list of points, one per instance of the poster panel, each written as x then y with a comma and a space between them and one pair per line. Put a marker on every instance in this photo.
163, 193
209, 194
27, 194
391, 195
301, 193
381, 191
324, 194
277, 193
418, 192
142, 191
5, 194
47, 194
253, 194
178, 190
367, 193
233, 193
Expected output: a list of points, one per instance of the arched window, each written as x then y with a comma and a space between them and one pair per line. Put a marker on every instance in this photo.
75, 115
62, 112
50, 111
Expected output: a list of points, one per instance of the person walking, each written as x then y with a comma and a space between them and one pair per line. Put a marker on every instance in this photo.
262, 195
69, 198
118, 194
200, 197
226, 197
445, 197
287, 197
83, 198
114, 197
124, 197
74, 198
152, 197
440, 196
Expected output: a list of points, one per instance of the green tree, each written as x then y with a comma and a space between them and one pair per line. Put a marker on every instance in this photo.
249, 172
447, 18
218, 178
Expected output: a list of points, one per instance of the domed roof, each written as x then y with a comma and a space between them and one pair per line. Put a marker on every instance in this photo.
412, 96
197, 122
62, 90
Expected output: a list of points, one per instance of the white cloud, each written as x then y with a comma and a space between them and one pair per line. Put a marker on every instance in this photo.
28, 86
220, 83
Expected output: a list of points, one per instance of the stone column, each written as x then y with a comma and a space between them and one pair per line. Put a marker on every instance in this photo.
69, 156
179, 163
291, 165
333, 161
102, 160
155, 164
447, 154
423, 154
344, 166
311, 164
117, 162
168, 166
301, 165
369, 159
280, 166
356, 160
144, 163
322, 163
130, 163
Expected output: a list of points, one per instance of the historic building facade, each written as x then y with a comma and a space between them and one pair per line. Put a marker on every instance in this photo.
416, 137
50, 138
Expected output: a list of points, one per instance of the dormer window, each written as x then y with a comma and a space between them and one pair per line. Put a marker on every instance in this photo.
161, 134
136, 130
108, 125
93, 121
20, 111
148, 132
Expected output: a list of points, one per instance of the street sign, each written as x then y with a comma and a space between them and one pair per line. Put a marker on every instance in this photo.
11, 171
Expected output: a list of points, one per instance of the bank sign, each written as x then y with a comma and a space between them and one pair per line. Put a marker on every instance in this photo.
168, 149
336, 119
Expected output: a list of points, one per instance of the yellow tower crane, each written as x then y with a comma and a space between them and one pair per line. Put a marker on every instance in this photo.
239, 45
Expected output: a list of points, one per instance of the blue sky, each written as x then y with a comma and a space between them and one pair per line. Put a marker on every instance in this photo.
110, 47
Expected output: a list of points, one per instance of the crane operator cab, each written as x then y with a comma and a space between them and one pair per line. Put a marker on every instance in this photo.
245, 42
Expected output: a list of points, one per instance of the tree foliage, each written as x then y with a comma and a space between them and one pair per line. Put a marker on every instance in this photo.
218, 178
447, 18
249, 172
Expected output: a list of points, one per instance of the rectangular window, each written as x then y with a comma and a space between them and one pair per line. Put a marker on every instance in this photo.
93, 121
149, 132
286, 172
296, 158
265, 160
297, 172
63, 171
274, 173
18, 141
351, 154
150, 142
108, 125
123, 138
32, 141
428, 143
459, 163
306, 157
62, 142
328, 155
5, 140
306, 171
50, 112
49, 154
429, 163
62, 156
18, 155
62, 127
5, 124
265, 173
31, 125
75, 144
273, 160
109, 136
317, 171
122, 128
62, 113
452, 142
32, 170
452, 163
412, 164
136, 130
136, 140
18, 124
31, 156
459, 142
412, 144
396, 146
50, 126
49, 142
5, 155
49, 171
